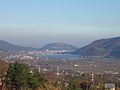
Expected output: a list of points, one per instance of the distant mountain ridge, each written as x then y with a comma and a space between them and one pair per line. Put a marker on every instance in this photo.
103, 47
5, 46
59, 46
8, 47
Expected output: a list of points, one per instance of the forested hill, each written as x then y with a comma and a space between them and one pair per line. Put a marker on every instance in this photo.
103, 47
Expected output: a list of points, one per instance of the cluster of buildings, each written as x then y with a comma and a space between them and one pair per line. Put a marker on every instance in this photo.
49, 52
19, 57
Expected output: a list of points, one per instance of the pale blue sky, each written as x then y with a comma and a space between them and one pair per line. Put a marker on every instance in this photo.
37, 22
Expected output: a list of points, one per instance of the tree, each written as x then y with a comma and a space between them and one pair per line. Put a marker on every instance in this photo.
17, 75
73, 85
3, 68
36, 80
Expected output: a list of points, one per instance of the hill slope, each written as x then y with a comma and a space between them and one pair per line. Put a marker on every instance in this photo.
5, 46
59, 46
103, 47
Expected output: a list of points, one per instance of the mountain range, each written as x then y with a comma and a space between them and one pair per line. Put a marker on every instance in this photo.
103, 47
8, 47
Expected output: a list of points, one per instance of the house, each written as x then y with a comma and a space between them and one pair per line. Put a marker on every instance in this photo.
109, 86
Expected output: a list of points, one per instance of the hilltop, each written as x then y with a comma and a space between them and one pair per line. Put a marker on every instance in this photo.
59, 46
103, 47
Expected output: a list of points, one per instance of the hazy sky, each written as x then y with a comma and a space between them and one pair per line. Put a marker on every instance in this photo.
77, 22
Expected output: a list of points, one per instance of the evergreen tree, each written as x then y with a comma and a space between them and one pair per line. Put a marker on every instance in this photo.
16, 76
19, 77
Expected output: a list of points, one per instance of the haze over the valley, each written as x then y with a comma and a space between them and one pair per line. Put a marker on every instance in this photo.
76, 22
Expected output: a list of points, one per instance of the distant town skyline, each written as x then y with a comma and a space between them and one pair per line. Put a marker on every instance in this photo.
77, 22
